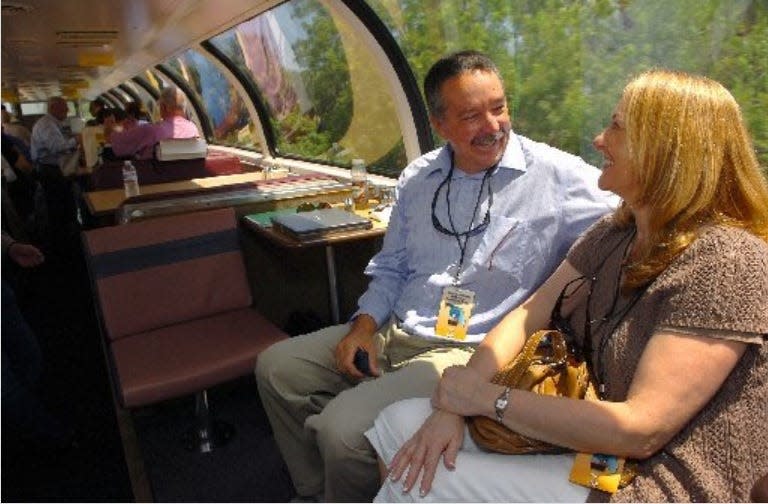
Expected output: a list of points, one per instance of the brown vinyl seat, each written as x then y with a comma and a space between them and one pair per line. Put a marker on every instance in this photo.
175, 307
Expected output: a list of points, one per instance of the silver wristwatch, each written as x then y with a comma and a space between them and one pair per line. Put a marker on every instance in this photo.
501, 404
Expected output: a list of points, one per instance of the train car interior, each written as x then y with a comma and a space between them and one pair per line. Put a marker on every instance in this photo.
290, 98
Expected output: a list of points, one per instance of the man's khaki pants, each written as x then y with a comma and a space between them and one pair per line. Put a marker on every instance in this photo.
319, 416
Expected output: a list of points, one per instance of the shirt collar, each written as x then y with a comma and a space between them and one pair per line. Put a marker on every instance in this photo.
55, 119
512, 159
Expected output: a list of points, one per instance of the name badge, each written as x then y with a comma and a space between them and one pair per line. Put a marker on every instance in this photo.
597, 470
455, 310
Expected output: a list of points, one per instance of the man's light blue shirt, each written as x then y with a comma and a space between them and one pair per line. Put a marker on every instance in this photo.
543, 199
49, 143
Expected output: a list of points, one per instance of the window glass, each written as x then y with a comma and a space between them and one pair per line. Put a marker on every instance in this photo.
117, 98
564, 62
153, 80
121, 95
41, 107
226, 111
327, 101
34, 108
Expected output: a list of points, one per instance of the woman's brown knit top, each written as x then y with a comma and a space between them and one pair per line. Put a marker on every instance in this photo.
717, 288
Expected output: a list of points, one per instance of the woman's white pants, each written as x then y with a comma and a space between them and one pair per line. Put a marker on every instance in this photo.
479, 476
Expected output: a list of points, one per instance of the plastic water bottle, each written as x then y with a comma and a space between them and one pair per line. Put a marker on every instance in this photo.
359, 184
130, 180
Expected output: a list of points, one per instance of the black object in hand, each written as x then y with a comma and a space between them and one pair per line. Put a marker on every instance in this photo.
361, 362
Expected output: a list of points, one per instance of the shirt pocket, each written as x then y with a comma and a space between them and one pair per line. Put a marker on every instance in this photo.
504, 247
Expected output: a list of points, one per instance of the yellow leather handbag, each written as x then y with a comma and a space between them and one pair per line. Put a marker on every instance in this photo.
543, 366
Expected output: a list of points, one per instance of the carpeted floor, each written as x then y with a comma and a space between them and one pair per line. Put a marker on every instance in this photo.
248, 468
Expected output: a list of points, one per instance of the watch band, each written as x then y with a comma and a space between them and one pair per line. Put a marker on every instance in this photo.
501, 404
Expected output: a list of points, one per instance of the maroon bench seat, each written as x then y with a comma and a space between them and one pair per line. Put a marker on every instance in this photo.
175, 305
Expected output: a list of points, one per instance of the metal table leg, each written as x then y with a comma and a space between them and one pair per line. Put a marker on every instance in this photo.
330, 262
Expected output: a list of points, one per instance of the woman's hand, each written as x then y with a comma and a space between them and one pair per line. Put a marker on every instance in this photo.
440, 435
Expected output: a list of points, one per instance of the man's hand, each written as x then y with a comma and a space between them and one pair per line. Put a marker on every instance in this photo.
440, 435
359, 336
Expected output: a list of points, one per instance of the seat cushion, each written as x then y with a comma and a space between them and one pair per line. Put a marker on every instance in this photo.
190, 356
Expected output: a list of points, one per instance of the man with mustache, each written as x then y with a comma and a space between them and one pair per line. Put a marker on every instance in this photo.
477, 226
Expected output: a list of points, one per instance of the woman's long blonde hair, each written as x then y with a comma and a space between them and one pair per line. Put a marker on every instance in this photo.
695, 164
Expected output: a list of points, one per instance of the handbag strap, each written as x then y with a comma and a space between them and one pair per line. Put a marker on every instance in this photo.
513, 371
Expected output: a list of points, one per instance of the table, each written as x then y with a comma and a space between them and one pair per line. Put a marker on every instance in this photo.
261, 225
105, 202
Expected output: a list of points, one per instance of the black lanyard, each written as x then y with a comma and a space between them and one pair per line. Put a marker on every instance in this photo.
557, 321
462, 238
615, 318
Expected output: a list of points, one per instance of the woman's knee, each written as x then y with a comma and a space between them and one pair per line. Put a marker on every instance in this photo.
403, 418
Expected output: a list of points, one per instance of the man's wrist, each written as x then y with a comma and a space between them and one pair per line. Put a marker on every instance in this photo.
364, 322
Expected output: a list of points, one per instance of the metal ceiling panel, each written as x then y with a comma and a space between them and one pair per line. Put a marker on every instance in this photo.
45, 41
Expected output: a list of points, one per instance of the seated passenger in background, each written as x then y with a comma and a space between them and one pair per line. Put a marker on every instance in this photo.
16, 129
96, 108
477, 224
139, 141
19, 178
135, 114
673, 288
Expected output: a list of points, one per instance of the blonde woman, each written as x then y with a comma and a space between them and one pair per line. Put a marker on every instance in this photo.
669, 299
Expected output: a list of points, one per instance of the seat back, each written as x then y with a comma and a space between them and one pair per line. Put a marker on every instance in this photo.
156, 273
109, 175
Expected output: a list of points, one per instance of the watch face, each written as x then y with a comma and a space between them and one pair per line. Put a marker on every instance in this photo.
501, 404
